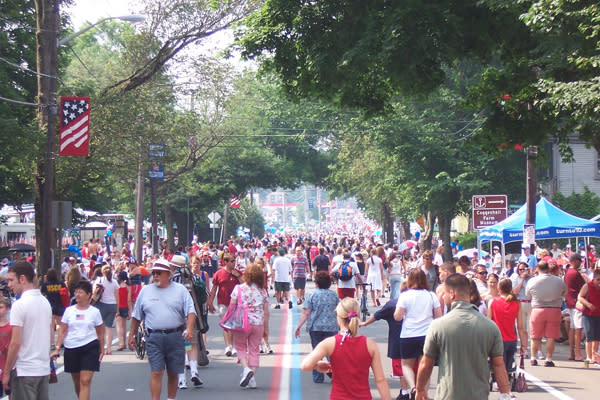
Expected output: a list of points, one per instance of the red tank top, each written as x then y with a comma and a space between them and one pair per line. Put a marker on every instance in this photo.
123, 297
350, 363
504, 314
593, 296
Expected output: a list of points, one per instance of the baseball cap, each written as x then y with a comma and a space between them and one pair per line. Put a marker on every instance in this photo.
525, 246
161, 265
496, 248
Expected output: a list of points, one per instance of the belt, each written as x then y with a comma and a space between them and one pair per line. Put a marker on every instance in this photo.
166, 331
525, 301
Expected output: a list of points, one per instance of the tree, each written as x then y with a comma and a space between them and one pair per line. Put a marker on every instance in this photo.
585, 205
540, 82
19, 139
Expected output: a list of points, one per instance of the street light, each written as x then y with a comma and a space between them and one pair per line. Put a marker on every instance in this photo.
47, 54
133, 18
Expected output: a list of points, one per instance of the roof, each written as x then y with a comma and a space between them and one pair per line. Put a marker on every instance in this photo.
550, 223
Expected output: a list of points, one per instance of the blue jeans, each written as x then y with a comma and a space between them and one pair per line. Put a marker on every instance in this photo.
395, 281
315, 338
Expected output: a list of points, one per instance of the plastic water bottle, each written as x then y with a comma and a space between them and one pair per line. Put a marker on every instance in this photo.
586, 363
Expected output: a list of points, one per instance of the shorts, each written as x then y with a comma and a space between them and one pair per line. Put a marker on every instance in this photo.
108, 313
545, 323
28, 387
282, 286
84, 358
345, 292
166, 349
525, 311
123, 312
397, 367
299, 283
576, 321
412, 347
591, 325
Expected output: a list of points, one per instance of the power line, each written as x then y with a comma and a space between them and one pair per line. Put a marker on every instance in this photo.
21, 103
27, 69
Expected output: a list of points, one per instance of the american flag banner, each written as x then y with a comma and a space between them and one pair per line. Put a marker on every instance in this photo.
234, 202
74, 131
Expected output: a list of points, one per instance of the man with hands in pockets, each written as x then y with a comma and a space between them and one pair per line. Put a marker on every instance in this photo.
168, 312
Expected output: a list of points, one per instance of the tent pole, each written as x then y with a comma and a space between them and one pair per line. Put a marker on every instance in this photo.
503, 250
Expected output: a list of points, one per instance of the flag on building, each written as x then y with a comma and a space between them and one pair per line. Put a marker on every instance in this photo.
234, 202
74, 128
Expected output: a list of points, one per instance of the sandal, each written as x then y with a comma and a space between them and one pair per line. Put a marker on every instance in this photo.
121, 348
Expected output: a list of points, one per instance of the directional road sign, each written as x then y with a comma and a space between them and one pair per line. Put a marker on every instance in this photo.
489, 209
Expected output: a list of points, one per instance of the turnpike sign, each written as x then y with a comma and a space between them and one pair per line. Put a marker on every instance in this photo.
489, 209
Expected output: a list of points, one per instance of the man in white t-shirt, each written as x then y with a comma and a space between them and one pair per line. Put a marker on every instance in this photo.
282, 266
29, 348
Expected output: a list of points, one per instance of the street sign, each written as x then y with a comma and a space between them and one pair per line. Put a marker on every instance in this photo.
214, 226
489, 209
528, 234
214, 216
311, 204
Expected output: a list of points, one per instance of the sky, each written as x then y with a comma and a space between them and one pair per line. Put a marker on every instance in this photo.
93, 10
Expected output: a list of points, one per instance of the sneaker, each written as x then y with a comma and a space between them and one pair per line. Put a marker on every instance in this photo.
277, 307
268, 349
262, 349
234, 353
405, 396
549, 364
290, 304
196, 379
182, 384
228, 351
534, 363
247, 374
252, 383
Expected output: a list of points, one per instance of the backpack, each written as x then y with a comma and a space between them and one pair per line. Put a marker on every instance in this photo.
345, 271
200, 291
97, 293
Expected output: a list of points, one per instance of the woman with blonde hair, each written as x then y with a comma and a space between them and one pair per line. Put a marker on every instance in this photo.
253, 295
351, 355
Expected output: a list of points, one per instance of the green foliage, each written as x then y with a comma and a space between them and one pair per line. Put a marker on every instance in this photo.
584, 205
467, 240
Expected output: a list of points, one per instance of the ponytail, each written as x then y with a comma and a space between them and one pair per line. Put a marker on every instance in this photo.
505, 287
348, 309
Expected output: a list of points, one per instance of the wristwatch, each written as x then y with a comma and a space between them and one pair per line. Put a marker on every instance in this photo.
504, 396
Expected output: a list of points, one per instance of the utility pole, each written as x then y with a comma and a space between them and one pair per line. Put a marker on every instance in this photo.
47, 17
532, 153
139, 209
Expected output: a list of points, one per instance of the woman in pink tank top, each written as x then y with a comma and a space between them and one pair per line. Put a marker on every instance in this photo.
350, 357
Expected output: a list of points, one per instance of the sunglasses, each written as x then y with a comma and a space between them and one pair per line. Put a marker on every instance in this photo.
482, 273
522, 269
157, 272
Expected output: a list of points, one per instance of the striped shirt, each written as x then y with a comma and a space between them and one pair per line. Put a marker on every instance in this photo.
299, 266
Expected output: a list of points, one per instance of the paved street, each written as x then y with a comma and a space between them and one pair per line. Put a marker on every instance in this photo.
123, 376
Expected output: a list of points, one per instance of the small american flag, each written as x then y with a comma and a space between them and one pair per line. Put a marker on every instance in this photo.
74, 126
234, 202
79, 317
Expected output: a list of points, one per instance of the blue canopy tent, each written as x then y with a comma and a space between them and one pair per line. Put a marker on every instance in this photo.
550, 223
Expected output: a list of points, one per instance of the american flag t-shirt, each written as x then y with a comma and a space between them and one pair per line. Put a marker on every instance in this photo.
74, 132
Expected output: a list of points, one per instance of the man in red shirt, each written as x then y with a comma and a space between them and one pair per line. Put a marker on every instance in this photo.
223, 283
574, 281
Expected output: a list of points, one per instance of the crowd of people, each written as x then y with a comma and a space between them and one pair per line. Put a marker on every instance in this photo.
508, 304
